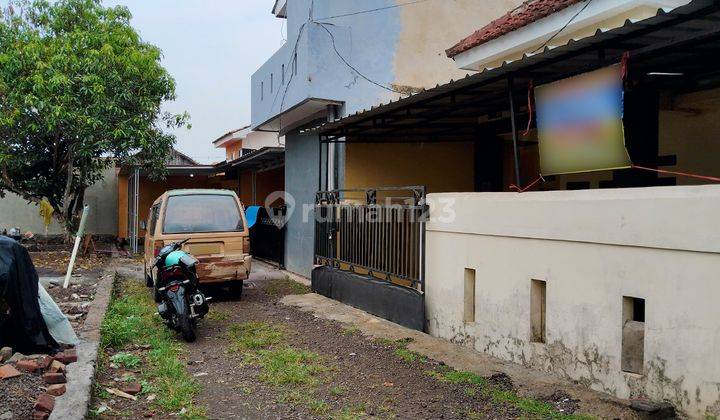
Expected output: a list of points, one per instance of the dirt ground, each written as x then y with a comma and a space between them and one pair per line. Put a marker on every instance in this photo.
361, 377
18, 395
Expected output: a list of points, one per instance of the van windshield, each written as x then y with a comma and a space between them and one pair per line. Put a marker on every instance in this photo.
202, 213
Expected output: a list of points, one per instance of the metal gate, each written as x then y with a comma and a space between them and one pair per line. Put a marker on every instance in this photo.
267, 235
380, 232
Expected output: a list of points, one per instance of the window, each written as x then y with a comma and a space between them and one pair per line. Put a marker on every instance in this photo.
633, 335
295, 64
469, 311
282, 75
271, 82
537, 311
202, 213
154, 213
262, 90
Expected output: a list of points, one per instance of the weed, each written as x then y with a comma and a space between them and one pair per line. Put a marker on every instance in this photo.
318, 407
288, 366
408, 355
286, 286
218, 315
530, 407
338, 391
349, 413
349, 330
131, 319
254, 336
127, 360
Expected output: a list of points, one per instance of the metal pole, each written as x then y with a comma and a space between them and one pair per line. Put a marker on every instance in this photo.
319, 164
78, 237
136, 209
514, 132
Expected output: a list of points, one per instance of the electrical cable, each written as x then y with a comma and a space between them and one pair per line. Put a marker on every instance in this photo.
332, 38
563, 28
372, 10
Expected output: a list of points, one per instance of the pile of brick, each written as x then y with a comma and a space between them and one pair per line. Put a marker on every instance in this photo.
51, 368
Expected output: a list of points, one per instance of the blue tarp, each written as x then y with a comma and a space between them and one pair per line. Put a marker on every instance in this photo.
251, 214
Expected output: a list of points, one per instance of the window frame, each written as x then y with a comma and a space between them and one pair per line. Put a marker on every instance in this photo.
242, 228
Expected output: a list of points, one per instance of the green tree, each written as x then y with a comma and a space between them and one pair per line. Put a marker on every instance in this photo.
79, 91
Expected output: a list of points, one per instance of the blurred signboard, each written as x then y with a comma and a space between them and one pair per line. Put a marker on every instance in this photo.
580, 125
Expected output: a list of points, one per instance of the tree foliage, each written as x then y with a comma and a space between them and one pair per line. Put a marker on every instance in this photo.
79, 91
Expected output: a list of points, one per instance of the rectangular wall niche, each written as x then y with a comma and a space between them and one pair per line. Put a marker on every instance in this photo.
469, 296
537, 311
633, 335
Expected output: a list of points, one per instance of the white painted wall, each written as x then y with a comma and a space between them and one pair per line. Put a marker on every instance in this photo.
592, 248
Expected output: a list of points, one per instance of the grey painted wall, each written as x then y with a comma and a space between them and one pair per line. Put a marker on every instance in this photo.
102, 198
301, 181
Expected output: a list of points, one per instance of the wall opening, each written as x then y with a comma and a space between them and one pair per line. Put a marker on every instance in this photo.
469, 295
537, 311
633, 335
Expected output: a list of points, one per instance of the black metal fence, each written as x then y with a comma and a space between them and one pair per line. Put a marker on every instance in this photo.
375, 230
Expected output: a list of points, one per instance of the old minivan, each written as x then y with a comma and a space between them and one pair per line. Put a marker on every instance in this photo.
214, 222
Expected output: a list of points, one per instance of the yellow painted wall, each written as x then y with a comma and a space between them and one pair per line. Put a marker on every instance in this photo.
233, 150
442, 167
266, 182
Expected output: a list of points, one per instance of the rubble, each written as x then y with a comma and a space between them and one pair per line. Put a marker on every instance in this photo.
8, 371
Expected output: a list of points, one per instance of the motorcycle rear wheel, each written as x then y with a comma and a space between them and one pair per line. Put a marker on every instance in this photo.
187, 328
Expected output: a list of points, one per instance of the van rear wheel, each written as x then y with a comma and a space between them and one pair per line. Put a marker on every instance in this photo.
236, 289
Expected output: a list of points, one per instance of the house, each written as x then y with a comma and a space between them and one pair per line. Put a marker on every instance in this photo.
136, 191
342, 57
256, 160
607, 277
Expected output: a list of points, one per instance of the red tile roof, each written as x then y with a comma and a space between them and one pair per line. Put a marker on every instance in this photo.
527, 13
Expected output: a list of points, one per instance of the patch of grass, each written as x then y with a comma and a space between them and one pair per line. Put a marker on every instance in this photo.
130, 320
254, 336
318, 407
288, 366
218, 315
408, 355
348, 331
286, 286
530, 407
127, 360
349, 413
338, 391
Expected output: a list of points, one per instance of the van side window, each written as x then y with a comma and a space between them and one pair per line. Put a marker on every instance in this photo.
154, 214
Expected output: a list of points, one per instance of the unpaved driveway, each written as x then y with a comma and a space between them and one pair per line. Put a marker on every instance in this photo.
257, 358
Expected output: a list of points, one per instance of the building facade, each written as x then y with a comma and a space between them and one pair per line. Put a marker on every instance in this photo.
340, 58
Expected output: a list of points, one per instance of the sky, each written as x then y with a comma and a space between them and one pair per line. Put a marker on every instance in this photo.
211, 48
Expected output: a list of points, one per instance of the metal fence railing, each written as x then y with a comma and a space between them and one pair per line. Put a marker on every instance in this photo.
374, 230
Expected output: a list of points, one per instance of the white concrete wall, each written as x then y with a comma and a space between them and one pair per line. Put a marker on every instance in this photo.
592, 248
102, 198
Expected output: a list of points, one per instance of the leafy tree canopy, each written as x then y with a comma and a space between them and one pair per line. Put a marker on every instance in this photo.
79, 91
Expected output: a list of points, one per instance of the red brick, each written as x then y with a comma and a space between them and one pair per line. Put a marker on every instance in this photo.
67, 356
54, 378
44, 362
57, 367
56, 390
8, 371
132, 388
30, 365
40, 415
45, 402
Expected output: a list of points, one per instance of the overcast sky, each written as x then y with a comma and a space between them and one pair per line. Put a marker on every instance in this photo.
211, 47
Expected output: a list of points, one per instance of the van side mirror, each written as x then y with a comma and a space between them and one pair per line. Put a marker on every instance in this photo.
143, 225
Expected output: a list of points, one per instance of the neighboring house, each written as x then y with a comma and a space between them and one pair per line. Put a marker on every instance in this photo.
609, 286
340, 59
256, 161
136, 191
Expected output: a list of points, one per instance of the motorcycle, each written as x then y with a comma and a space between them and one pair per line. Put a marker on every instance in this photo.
180, 302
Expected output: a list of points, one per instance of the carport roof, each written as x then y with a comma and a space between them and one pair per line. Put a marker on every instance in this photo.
687, 37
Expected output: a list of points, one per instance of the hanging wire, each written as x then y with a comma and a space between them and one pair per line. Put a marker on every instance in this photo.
350, 66
373, 10
563, 28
